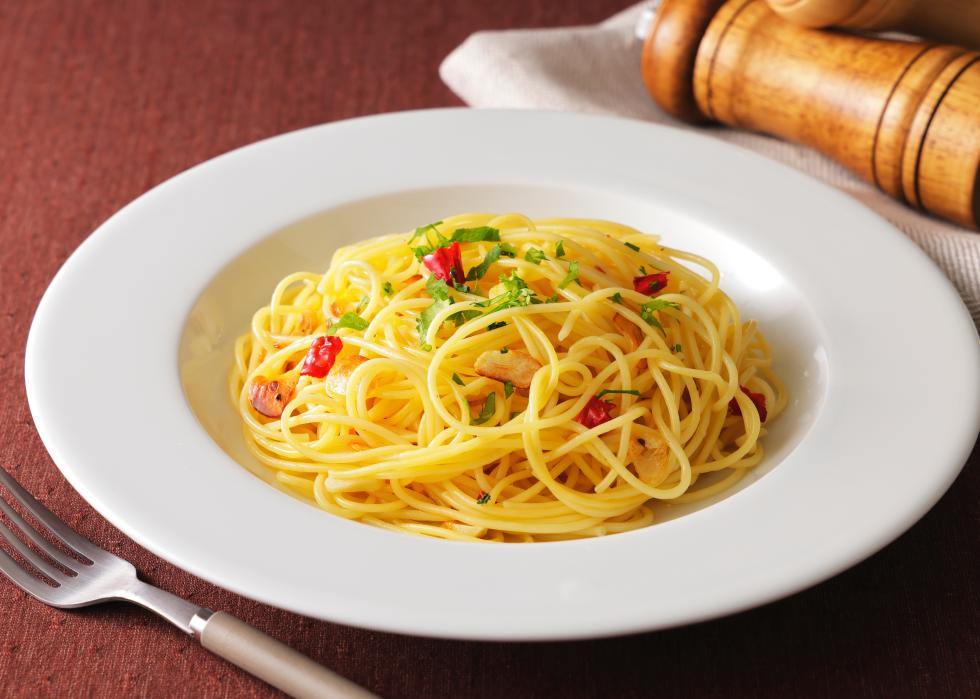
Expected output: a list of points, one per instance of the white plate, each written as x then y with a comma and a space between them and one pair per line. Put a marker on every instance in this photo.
874, 344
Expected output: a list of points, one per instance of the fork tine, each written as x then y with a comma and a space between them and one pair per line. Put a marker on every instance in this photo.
69, 538
27, 582
35, 560
39, 541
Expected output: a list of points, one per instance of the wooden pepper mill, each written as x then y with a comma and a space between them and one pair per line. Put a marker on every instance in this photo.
903, 115
957, 21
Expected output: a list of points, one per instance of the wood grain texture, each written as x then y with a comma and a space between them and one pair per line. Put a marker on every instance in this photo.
948, 149
104, 99
902, 115
952, 21
667, 61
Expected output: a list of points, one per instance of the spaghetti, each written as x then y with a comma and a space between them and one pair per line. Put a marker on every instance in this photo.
497, 378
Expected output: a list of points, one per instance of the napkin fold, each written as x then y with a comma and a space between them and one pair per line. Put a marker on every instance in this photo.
597, 69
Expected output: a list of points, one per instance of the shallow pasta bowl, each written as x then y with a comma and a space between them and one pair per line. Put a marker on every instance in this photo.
869, 336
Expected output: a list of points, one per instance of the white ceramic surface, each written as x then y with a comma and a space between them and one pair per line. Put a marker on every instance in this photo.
874, 344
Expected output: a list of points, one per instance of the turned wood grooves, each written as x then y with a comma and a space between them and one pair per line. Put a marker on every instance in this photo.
952, 21
903, 115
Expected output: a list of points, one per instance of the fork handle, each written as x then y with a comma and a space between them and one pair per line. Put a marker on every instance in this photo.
272, 661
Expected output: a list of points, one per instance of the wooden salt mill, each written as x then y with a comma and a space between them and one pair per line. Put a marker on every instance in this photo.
903, 115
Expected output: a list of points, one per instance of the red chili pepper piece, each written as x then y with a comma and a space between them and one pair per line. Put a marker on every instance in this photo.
758, 399
595, 412
323, 352
651, 283
446, 264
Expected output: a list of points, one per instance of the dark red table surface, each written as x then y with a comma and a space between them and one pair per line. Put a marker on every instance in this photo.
101, 100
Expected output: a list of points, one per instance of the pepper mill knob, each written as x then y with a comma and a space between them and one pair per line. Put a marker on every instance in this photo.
903, 115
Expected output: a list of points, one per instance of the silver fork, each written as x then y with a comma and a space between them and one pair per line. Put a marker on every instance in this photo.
100, 576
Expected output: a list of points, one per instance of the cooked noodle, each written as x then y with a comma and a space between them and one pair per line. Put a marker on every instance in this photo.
413, 443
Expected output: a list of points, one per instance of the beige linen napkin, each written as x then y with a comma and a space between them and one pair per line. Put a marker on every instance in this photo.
597, 69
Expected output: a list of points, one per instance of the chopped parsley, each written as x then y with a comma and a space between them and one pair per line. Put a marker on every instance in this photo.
535, 256
505, 350
489, 407
643, 270
424, 230
480, 270
647, 311
552, 299
677, 348
387, 289
437, 289
348, 320
494, 326
463, 316
572, 275
483, 498
457, 380
508, 389
475, 235
514, 284
617, 298
516, 293
508, 250
560, 248
362, 304
460, 235
632, 247
515, 413
427, 316
607, 391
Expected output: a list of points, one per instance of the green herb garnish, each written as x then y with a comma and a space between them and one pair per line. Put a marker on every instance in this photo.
424, 230
508, 389
647, 311
460, 235
348, 320
505, 350
362, 304
535, 256
425, 320
494, 326
489, 406
516, 293
474, 235
632, 247
463, 316
560, 248
437, 289
572, 275
387, 289
677, 348
483, 499
607, 391
481, 269
457, 380
617, 298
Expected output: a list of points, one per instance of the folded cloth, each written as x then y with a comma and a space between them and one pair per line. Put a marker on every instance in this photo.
597, 69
